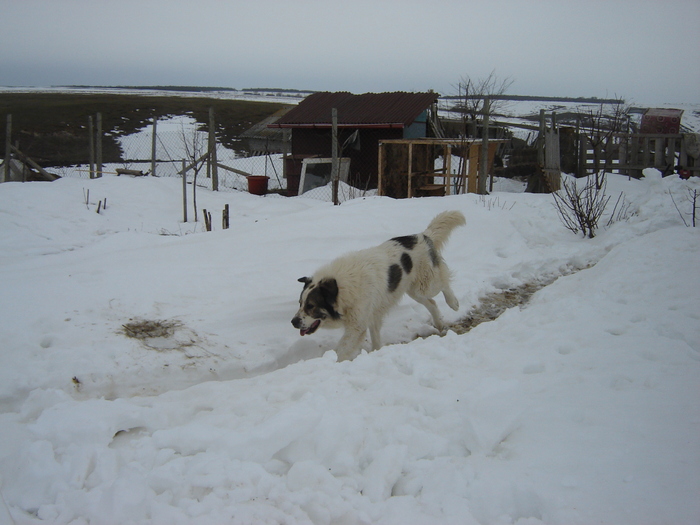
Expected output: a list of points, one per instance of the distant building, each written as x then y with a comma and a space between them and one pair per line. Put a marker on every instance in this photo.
661, 121
363, 121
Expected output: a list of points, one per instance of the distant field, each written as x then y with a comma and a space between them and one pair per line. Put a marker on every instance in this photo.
52, 128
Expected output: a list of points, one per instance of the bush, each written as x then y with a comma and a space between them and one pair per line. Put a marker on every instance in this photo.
581, 207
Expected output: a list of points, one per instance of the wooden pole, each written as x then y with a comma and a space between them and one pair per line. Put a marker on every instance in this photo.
184, 192
448, 169
98, 147
380, 174
225, 221
334, 150
484, 169
8, 146
410, 169
154, 141
91, 146
212, 151
540, 144
470, 179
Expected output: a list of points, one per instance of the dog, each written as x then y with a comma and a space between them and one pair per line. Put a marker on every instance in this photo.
356, 290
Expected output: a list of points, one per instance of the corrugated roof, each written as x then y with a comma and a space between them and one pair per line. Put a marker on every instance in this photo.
384, 110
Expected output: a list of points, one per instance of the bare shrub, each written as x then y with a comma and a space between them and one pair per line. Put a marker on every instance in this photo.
581, 207
692, 198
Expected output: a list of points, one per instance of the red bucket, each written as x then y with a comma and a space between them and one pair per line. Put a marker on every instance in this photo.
257, 184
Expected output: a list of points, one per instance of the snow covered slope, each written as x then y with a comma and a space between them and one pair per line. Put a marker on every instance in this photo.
579, 407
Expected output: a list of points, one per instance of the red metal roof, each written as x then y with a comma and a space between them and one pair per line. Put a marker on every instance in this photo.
379, 110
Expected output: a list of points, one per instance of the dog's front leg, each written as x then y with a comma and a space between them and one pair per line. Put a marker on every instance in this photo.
349, 345
375, 334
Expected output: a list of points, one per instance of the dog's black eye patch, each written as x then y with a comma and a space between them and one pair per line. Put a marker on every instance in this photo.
406, 262
394, 277
407, 241
323, 298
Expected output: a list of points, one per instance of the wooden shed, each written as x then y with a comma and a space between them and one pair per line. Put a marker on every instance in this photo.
363, 121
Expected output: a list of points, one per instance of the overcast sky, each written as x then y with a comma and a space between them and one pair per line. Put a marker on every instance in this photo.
647, 52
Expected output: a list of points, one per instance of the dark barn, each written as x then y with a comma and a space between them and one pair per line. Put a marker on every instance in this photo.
363, 120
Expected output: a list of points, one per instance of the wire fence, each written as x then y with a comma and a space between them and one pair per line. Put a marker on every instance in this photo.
179, 143
180, 146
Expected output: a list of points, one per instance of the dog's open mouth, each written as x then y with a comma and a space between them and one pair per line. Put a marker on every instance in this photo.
311, 329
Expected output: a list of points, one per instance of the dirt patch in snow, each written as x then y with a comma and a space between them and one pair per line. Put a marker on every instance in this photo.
161, 334
491, 306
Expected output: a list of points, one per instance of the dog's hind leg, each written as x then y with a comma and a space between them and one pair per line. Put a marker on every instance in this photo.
432, 308
450, 298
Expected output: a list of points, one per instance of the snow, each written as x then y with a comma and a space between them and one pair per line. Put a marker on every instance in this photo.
578, 407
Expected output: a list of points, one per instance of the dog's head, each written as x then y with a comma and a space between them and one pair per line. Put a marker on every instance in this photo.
317, 305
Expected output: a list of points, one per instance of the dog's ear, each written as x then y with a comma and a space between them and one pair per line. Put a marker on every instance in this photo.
329, 290
305, 280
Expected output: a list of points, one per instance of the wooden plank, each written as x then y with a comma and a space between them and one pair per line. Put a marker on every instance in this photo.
646, 158
484, 160
98, 146
193, 164
212, 151
670, 151
91, 146
27, 160
154, 143
8, 145
448, 168
659, 147
474, 152
410, 169
234, 170
380, 174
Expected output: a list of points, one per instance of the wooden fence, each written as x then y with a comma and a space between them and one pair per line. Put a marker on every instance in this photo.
630, 153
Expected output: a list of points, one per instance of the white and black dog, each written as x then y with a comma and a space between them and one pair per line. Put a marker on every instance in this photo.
356, 290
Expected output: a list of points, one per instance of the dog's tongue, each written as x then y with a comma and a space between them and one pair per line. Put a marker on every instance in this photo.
310, 328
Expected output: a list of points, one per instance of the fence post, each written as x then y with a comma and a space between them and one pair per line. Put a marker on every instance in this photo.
484, 171
184, 192
8, 147
153, 147
91, 146
98, 146
334, 149
212, 151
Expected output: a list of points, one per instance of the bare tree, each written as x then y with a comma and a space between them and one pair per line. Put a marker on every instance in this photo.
473, 106
601, 128
472, 93
195, 146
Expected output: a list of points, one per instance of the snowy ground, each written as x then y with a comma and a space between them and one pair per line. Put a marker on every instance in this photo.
580, 407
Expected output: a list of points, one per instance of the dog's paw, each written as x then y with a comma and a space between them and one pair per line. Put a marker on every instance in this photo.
453, 303
346, 356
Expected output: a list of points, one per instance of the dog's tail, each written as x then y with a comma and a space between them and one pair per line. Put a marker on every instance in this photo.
442, 225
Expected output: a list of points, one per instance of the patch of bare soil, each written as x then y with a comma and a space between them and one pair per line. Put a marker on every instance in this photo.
161, 334
144, 329
491, 306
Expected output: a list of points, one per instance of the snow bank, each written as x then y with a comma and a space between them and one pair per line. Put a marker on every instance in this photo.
579, 407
